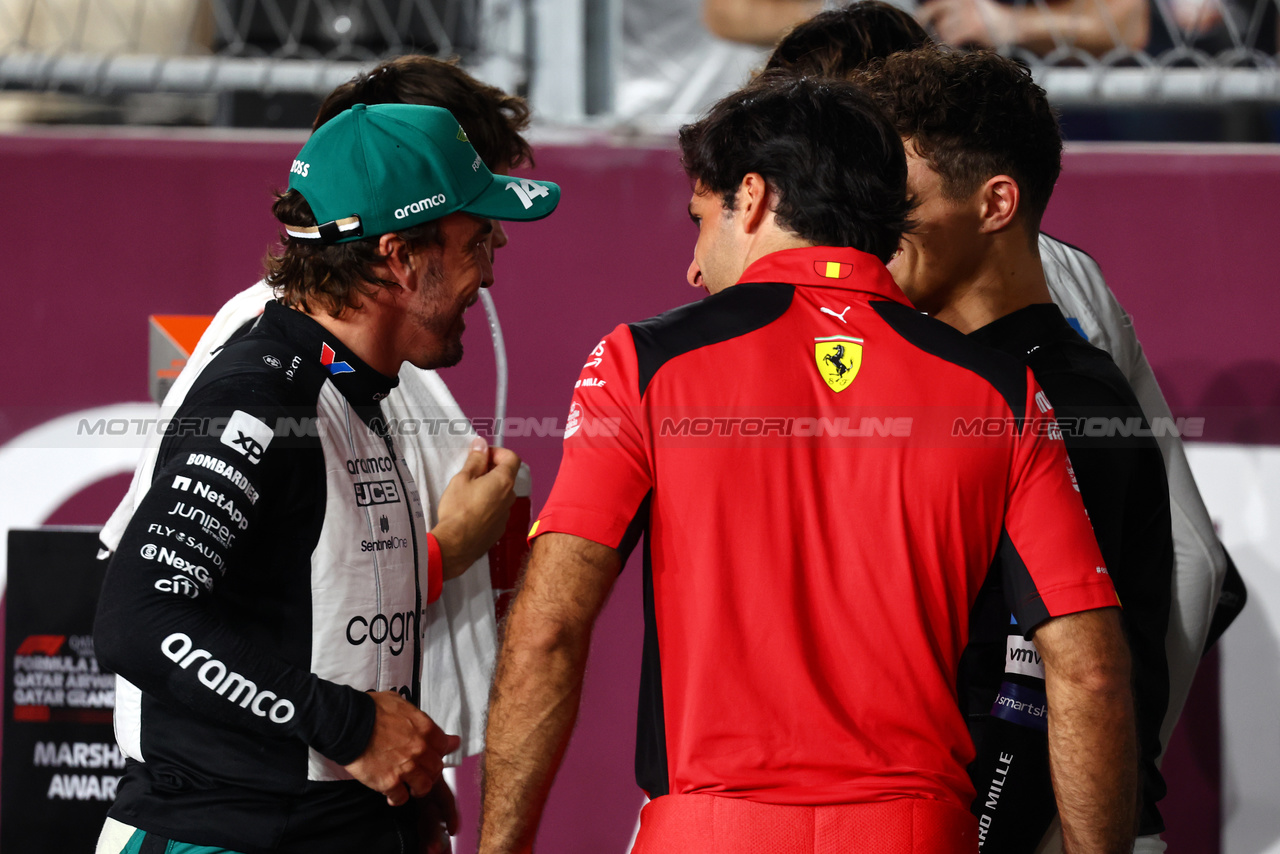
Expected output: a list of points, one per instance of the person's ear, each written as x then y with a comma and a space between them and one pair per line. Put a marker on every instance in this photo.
999, 201
754, 200
399, 262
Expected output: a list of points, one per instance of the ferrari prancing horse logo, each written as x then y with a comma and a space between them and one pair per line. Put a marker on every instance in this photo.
839, 357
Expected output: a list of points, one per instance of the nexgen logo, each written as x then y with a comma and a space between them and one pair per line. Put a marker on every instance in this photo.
224, 681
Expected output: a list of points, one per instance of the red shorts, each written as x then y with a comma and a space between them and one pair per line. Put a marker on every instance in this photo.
711, 824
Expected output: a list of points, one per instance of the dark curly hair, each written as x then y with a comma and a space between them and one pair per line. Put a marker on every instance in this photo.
492, 119
331, 278
316, 276
972, 116
829, 154
840, 41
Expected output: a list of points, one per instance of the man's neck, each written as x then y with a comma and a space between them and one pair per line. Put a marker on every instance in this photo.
363, 334
768, 242
1010, 278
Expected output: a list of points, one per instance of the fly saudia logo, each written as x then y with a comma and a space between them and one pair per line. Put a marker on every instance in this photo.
224, 681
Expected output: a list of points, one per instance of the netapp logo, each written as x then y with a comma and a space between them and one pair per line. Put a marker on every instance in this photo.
370, 465
217, 677
421, 205
370, 492
219, 500
380, 629
383, 545
160, 554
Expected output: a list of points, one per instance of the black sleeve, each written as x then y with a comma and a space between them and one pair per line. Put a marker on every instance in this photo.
1125, 489
1014, 801
1122, 482
167, 620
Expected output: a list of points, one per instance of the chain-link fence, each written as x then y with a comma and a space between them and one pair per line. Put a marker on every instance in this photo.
610, 58
272, 47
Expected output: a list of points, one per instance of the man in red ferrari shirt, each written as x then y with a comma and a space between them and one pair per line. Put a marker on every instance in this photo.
818, 512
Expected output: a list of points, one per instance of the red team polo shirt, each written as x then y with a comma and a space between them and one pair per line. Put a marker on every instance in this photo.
824, 477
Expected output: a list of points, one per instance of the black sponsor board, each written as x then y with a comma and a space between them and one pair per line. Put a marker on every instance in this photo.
61, 764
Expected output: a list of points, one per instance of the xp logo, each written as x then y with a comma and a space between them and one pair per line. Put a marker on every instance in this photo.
383, 524
247, 435
327, 357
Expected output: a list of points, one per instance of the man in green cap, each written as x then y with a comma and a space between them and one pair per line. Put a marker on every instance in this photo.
265, 602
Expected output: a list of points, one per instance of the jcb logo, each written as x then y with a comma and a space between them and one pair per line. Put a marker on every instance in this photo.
370, 492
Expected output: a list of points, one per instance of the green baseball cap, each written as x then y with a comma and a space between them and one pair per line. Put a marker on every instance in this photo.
373, 170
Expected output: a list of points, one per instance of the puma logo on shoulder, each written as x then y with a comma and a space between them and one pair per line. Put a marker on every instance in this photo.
839, 316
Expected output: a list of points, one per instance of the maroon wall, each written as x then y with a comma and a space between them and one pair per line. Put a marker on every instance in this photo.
101, 232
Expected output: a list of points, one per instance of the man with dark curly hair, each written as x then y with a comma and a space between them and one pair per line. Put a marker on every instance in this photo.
279, 565
984, 151
842, 42
813, 536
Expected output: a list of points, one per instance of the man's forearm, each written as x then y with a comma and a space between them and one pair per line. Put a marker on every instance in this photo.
1093, 760
1094, 26
534, 704
1093, 754
538, 684
757, 22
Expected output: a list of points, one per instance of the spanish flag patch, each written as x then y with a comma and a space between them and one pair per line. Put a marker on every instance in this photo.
832, 269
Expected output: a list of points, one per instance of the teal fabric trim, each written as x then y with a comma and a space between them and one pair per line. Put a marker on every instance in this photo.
134, 845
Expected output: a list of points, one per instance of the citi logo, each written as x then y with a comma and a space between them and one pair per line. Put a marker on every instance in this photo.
299, 168
223, 681
421, 205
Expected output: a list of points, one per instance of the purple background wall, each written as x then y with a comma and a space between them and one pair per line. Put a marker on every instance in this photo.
101, 232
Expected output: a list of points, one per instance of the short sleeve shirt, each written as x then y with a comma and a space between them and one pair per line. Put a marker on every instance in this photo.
824, 477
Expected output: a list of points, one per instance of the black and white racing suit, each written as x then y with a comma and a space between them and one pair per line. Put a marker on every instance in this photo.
274, 572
